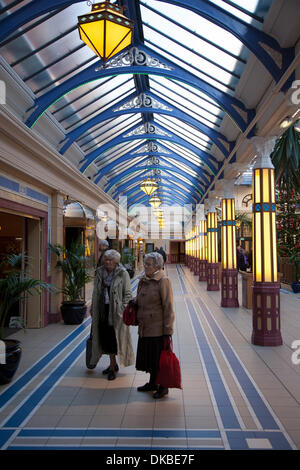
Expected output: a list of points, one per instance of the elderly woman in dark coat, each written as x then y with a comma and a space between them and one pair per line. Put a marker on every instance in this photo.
111, 294
155, 316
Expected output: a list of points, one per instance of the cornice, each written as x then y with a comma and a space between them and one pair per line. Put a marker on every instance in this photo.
36, 149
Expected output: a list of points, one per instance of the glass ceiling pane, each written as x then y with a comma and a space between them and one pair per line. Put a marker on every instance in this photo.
249, 5
96, 133
185, 104
117, 151
82, 117
185, 131
112, 132
199, 25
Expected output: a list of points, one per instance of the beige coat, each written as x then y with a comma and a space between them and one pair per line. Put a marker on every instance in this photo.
120, 294
155, 313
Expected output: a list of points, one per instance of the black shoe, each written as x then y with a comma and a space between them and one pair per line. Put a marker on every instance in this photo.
111, 375
161, 392
148, 387
106, 371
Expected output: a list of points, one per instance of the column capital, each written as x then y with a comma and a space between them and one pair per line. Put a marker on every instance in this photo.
263, 147
228, 185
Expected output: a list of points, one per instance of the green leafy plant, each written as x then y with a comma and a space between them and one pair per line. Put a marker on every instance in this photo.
127, 259
73, 264
15, 285
286, 160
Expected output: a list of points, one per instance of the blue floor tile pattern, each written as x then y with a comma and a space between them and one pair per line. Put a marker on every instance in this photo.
231, 436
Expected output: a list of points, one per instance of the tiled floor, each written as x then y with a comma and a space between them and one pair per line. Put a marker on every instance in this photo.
235, 395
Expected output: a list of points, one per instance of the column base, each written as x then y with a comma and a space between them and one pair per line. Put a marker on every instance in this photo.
266, 314
202, 270
196, 267
213, 276
229, 290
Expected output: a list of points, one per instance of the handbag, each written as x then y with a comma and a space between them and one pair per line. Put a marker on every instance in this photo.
88, 353
169, 374
129, 314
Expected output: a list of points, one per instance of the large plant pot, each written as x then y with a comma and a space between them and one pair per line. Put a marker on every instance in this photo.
73, 313
296, 287
12, 358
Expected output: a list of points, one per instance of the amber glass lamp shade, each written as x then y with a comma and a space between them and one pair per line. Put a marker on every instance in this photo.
148, 186
105, 30
155, 202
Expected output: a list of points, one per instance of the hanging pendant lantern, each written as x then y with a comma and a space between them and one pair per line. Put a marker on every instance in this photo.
155, 202
149, 186
105, 30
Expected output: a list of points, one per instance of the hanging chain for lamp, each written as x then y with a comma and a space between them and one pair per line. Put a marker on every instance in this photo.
149, 185
105, 30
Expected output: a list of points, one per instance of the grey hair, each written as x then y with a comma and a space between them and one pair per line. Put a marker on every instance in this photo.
157, 259
112, 254
103, 242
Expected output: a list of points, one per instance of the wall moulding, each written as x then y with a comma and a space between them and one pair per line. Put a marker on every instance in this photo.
26, 152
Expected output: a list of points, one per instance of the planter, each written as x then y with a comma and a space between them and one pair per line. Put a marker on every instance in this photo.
296, 287
12, 358
73, 313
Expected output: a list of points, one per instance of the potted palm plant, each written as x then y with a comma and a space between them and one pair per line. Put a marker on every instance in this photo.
73, 264
15, 285
128, 261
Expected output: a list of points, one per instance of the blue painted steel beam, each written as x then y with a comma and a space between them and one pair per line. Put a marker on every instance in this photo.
163, 195
167, 195
168, 188
182, 189
168, 182
230, 104
145, 169
205, 157
172, 111
250, 36
189, 187
132, 155
169, 185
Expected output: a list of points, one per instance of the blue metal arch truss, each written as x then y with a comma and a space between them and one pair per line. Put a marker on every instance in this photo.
204, 156
136, 179
144, 170
250, 36
231, 105
168, 189
172, 111
171, 185
163, 156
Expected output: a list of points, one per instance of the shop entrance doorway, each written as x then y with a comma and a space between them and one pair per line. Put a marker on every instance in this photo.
20, 234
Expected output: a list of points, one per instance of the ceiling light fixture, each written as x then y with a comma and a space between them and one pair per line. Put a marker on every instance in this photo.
105, 30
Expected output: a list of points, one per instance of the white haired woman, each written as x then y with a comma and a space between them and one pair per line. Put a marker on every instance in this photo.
155, 316
111, 294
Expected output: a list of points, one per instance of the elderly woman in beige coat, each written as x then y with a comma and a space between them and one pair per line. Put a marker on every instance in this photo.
155, 316
111, 294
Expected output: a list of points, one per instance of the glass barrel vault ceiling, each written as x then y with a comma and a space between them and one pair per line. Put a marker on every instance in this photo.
47, 51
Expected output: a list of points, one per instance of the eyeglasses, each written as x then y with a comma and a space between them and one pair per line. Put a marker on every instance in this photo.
148, 265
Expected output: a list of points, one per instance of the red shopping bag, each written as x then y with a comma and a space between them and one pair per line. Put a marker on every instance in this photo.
129, 314
169, 374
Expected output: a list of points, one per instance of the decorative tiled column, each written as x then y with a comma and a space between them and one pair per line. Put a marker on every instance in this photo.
202, 244
212, 251
229, 289
196, 263
266, 289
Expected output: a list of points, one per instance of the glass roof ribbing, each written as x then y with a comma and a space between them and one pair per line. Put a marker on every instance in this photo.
47, 52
